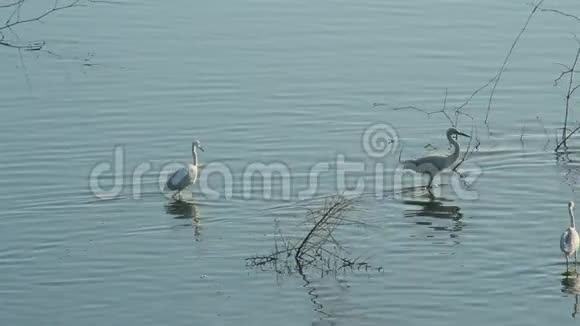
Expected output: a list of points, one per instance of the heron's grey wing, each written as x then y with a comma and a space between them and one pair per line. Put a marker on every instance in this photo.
428, 164
566, 242
177, 180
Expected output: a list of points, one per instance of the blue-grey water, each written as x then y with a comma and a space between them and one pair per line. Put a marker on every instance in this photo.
293, 82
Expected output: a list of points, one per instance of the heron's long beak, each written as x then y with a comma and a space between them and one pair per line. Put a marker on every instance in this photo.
464, 135
201, 148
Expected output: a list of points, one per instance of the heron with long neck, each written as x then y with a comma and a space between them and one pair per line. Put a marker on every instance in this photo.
185, 176
434, 164
570, 240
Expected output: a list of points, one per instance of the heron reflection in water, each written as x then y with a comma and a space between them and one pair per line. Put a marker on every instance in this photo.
181, 209
571, 285
435, 208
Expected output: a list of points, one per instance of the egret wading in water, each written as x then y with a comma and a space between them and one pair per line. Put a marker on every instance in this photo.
569, 241
185, 176
434, 164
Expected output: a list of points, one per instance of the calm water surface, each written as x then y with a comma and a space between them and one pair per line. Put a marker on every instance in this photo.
291, 82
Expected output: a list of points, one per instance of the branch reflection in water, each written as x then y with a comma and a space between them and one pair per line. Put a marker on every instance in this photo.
570, 167
181, 209
571, 285
429, 206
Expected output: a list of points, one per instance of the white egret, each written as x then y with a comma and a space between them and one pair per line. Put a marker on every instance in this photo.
570, 240
185, 176
434, 164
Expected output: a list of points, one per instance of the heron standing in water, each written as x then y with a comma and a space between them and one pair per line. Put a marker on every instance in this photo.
570, 240
185, 176
434, 164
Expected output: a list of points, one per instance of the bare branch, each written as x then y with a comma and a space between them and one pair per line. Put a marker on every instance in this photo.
37, 18
560, 13
469, 150
569, 93
14, 20
12, 4
563, 65
502, 68
562, 74
35, 46
567, 137
574, 89
411, 107
475, 93
319, 249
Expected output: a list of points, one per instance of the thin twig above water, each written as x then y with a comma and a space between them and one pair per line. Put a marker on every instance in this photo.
505, 61
570, 91
319, 248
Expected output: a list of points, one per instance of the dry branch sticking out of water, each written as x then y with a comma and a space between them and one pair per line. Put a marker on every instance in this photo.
318, 249
15, 19
569, 93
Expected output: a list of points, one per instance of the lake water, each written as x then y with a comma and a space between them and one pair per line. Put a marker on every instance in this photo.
295, 83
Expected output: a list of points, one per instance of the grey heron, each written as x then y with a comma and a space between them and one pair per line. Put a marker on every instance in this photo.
570, 240
434, 164
185, 176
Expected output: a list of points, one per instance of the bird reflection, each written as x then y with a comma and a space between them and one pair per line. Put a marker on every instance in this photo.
571, 285
181, 209
434, 208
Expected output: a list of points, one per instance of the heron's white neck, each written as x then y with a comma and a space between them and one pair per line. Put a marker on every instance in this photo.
453, 157
572, 222
194, 154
